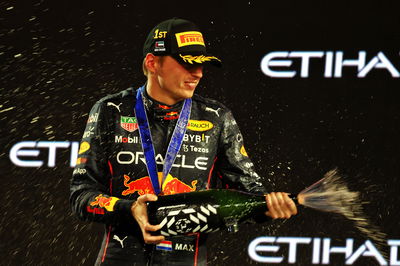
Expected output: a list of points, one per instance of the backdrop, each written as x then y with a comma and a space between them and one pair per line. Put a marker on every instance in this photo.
312, 86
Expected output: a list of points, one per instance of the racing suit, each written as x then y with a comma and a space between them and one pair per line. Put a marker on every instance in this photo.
110, 172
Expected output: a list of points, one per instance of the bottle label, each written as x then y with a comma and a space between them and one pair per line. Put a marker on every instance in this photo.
184, 219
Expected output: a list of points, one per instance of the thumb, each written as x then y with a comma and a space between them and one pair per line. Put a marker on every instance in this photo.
148, 197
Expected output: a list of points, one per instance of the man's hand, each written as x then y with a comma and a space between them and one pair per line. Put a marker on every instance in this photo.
280, 205
139, 212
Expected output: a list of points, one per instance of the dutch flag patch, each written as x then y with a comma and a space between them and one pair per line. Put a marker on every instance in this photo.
164, 245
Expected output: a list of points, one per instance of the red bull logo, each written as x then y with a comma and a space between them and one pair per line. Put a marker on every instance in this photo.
171, 116
171, 185
104, 202
141, 186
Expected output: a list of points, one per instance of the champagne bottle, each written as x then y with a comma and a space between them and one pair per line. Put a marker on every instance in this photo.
204, 211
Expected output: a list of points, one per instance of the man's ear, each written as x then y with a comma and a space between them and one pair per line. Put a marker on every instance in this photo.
150, 62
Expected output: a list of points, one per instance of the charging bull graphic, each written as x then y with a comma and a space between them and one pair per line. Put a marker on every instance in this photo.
171, 185
104, 202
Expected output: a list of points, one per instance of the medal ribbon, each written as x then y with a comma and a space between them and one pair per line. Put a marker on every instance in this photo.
147, 142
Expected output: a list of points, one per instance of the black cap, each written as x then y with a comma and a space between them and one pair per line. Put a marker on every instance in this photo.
180, 39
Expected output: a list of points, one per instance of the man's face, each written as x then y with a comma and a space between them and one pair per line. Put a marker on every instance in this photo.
177, 81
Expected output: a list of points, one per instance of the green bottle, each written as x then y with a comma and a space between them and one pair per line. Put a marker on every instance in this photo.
204, 211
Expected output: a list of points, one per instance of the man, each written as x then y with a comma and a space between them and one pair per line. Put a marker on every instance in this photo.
135, 146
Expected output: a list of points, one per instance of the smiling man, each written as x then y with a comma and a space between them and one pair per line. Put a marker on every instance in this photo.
161, 139
170, 82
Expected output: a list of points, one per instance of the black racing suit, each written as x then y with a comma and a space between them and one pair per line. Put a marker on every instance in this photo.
110, 172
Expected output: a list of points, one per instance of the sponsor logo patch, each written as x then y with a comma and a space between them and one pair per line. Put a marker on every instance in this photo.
129, 123
81, 161
88, 132
189, 38
196, 138
85, 146
128, 157
199, 125
209, 109
243, 151
93, 118
121, 241
95, 210
128, 139
159, 46
116, 106
79, 171
192, 148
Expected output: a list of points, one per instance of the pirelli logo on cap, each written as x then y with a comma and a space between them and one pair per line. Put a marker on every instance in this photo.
189, 38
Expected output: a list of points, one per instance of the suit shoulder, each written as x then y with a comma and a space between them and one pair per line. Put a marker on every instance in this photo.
208, 102
125, 95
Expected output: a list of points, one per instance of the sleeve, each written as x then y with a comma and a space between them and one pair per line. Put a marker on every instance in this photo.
90, 187
233, 164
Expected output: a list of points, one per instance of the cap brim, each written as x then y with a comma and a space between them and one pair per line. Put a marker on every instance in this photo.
198, 59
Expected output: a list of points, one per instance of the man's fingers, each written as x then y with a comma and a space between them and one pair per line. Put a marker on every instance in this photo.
274, 206
280, 205
149, 239
139, 212
284, 205
147, 197
153, 228
271, 209
284, 212
290, 204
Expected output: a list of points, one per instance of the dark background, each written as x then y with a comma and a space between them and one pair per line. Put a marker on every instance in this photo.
57, 58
